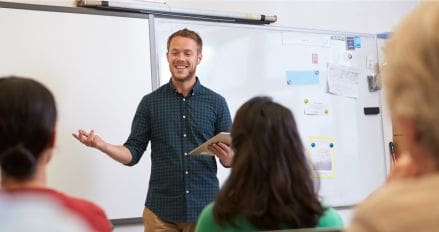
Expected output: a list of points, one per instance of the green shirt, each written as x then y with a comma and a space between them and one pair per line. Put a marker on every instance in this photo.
206, 222
180, 185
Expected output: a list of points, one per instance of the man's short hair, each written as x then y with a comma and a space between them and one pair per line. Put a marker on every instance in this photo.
187, 34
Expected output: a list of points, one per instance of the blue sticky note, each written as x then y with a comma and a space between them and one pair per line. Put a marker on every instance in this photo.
303, 77
357, 42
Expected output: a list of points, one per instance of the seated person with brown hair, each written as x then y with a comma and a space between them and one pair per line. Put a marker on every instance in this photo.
270, 185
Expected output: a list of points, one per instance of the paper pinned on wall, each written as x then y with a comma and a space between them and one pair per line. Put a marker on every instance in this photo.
357, 41
337, 51
307, 77
350, 43
315, 108
315, 58
343, 80
371, 62
322, 153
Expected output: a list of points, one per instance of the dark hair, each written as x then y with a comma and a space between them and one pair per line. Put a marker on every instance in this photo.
187, 34
27, 122
270, 183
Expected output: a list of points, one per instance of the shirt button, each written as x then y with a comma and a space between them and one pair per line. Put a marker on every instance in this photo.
187, 191
184, 99
184, 135
185, 153
186, 172
184, 116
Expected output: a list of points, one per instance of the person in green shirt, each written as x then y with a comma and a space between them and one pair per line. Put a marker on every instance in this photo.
270, 185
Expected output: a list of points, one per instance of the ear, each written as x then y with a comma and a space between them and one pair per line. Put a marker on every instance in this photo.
411, 139
410, 136
199, 57
408, 129
167, 56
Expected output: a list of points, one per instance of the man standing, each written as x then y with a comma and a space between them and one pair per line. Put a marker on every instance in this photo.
176, 118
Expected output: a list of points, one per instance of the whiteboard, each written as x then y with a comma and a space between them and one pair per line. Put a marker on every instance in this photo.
98, 68
242, 61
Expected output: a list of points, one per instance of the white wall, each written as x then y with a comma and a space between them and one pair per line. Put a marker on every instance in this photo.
343, 15
371, 16
351, 16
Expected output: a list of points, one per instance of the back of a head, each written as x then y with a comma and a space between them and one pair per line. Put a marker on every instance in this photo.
27, 122
270, 181
411, 75
263, 133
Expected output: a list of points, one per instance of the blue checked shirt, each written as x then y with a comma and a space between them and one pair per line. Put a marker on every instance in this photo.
180, 184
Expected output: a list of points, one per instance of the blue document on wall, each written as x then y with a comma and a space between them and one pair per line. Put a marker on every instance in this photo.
307, 77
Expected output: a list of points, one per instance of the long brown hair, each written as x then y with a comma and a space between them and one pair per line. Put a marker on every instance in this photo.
270, 182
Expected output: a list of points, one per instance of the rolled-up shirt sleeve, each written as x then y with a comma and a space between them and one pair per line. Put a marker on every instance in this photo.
140, 133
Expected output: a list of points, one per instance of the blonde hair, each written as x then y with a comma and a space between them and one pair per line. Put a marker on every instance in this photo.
411, 76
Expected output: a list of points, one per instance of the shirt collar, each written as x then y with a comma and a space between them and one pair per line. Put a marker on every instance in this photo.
197, 89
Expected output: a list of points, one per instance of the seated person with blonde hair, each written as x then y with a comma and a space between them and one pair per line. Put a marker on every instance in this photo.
408, 202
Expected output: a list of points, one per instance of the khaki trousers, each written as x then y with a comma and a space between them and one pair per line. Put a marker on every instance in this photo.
152, 223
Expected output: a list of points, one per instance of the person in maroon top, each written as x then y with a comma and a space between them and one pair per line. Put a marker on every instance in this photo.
27, 140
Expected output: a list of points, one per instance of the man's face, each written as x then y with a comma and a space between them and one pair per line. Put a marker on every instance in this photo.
183, 58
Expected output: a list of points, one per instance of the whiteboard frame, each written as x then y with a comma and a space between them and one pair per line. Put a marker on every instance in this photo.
383, 113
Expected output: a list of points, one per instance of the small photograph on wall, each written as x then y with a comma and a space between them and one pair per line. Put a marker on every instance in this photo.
322, 153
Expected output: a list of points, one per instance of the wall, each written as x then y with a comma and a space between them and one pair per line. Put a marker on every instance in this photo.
340, 15
355, 16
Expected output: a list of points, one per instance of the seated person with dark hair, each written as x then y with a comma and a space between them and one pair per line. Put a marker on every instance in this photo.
27, 140
270, 185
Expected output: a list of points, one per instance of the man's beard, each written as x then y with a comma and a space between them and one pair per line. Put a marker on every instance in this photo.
184, 78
